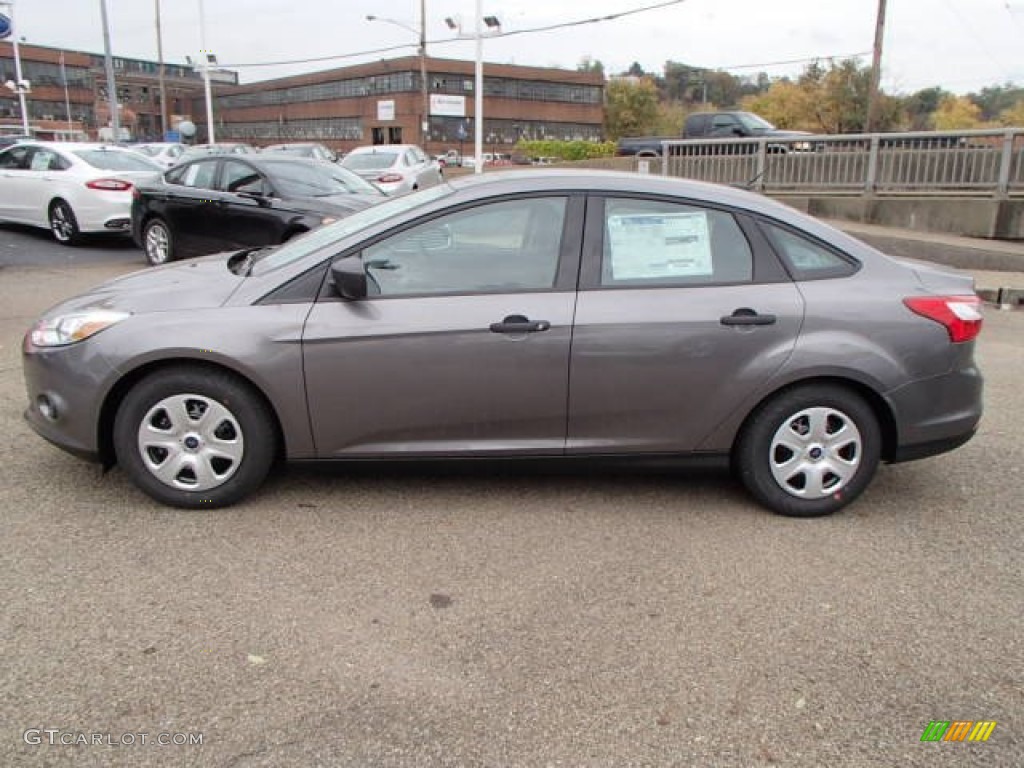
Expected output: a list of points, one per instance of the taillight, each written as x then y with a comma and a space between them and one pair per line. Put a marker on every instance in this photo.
109, 185
389, 178
961, 315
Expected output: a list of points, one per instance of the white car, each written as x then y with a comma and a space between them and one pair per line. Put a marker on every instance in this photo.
395, 168
162, 153
71, 189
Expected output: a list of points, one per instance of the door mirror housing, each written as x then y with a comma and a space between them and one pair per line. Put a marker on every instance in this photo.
349, 277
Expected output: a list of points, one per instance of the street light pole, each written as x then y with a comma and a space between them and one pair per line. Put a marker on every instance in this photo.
160, 73
422, 52
478, 88
424, 92
20, 87
204, 63
115, 117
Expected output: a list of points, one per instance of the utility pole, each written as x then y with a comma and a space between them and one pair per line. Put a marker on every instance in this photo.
876, 70
160, 74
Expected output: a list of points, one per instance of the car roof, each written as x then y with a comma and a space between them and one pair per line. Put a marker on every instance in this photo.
575, 180
381, 148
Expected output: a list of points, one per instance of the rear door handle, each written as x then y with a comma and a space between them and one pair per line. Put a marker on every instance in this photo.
747, 316
519, 324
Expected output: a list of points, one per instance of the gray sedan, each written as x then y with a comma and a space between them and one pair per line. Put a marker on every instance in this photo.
549, 315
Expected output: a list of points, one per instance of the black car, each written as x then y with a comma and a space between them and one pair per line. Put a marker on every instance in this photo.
226, 202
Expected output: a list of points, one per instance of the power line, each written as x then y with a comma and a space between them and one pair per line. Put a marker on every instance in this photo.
548, 28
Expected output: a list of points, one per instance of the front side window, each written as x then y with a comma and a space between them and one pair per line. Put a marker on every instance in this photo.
199, 174
502, 247
656, 243
238, 176
16, 158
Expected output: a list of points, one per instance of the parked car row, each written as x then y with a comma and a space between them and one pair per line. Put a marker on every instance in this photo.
179, 202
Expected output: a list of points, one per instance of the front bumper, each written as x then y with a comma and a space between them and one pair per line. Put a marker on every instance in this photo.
66, 387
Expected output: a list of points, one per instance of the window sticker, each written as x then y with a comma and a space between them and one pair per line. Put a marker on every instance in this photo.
659, 245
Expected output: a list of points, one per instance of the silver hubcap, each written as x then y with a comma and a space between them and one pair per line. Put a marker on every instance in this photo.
156, 244
191, 442
60, 223
815, 453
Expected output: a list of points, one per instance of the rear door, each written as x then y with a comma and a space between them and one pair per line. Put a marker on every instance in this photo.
189, 206
15, 182
683, 313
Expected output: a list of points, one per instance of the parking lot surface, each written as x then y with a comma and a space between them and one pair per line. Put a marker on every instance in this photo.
385, 617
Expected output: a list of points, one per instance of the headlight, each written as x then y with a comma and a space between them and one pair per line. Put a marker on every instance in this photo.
75, 327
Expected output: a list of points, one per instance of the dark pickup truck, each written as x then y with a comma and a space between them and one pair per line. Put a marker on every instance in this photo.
708, 125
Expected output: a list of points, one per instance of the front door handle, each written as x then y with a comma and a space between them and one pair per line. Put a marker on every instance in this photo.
519, 324
747, 316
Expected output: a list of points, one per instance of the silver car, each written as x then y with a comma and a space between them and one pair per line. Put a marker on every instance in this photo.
550, 314
395, 168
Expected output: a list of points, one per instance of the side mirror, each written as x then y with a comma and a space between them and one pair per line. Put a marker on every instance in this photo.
349, 277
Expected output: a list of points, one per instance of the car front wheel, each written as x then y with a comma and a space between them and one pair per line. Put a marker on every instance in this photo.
63, 223
809, 451
194, 438
156, 237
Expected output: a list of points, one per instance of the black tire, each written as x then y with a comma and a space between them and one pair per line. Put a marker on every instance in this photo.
830, 464
63, 223
157, 242
212, 464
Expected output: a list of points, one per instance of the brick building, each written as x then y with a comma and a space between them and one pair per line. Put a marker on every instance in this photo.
376, 103
49, 103
382, 103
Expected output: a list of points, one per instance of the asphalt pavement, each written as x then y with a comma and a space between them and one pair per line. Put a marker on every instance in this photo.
380, 617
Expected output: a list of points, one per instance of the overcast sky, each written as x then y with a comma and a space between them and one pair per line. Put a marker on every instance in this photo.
961, 45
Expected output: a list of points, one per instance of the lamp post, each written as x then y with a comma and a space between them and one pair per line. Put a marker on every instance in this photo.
494, 28
19, 85
205, 60
424, 93
115, 116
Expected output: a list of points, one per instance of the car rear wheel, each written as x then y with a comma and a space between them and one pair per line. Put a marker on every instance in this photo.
63, 223
809, 451
156, 237
194, 438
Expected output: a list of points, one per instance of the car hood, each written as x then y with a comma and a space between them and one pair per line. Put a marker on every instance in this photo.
182, 286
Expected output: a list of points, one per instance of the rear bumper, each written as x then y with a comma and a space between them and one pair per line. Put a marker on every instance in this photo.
936, 415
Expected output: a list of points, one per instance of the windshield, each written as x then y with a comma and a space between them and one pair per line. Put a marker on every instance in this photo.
370, 161
350, 225
116, 160
754, 123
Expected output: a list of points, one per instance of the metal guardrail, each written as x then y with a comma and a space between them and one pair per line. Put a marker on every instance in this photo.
983, 163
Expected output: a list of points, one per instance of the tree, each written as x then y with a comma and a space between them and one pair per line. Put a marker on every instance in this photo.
957, 113
631, 108
830, 99
590, 64
635, 70
1014, 116
996, 99
921, 107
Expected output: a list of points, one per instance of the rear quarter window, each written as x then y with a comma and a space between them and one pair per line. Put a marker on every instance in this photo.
805, 258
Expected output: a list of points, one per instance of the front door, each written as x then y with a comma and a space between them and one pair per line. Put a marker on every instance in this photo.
462, 346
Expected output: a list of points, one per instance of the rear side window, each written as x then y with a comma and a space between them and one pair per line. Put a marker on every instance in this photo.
806, 259
656, 243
